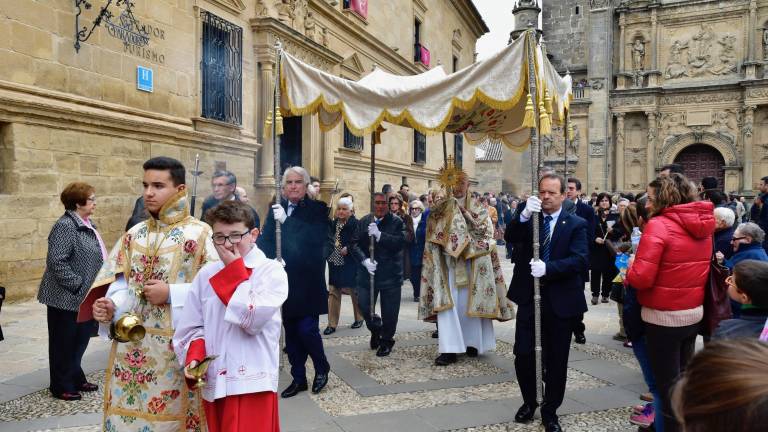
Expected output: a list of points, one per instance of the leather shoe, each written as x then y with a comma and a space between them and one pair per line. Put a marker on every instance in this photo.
319, 382
384, 350
525, 413
435, 334
579, 338
68, 396
329, 330
88, 387
294, 389
553, 426
471, 352
357, 324
445, 359
375, 340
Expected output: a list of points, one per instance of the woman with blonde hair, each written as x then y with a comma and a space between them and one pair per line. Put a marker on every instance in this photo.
342, 268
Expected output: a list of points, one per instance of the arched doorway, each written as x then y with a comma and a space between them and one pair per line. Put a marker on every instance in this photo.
701, 160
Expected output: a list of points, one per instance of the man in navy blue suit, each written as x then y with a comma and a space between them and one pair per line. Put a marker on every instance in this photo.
564, 259
586, 212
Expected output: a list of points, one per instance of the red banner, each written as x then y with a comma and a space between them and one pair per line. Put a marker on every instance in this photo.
360, 7
424, 55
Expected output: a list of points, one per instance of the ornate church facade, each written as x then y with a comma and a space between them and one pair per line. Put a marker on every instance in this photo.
659, 82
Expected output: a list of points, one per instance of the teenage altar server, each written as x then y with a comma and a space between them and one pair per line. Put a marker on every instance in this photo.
233, 312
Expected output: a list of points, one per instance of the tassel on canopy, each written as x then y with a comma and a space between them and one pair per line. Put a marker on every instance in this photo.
268, 127
529, 119
547, 102
545, 123
279, 122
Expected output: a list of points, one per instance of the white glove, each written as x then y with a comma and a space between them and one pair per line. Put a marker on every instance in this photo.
373, 230
280, 214
532, 205
369, 265
538, 268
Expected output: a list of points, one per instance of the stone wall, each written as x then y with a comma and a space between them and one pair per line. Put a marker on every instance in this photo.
565, 32
490, 175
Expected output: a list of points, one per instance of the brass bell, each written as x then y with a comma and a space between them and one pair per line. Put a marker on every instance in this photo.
200, 370
128, 328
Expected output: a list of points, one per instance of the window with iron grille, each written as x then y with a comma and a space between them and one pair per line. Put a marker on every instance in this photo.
419, 147
352, 141
222, 70
458, 149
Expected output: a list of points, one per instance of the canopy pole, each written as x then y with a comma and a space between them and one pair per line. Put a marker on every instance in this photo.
535, 161
277, 124
372, 239
445, 152
567, 140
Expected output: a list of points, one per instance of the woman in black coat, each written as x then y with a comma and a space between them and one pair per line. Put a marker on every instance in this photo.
602, 266
75, 255
342, 267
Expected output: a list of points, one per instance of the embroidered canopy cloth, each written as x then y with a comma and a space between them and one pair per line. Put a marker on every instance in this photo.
485, 101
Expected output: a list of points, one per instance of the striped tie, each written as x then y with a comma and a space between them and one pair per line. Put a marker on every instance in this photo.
544, 239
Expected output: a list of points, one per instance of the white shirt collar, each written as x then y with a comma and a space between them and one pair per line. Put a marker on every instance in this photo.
554, 215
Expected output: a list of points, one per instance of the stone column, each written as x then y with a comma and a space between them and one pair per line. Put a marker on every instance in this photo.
651, 148
747, 134
266, 166
600, 48
751, 39
620, 138
654, 75
622, 79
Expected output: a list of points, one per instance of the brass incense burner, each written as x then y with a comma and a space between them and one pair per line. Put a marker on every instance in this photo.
128, 328
201, 369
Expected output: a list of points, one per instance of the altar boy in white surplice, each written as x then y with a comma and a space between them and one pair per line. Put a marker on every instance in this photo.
233, 312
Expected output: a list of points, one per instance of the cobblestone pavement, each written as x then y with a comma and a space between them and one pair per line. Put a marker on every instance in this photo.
402, 392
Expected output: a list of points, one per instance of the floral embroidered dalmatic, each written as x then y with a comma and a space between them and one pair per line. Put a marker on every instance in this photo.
463, 236
145, 388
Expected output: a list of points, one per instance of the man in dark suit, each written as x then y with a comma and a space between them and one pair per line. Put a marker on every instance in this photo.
224, 185
586, 212
305, 241
386, 268
564, 259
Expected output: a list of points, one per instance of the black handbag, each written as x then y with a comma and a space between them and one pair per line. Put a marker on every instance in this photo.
717, 305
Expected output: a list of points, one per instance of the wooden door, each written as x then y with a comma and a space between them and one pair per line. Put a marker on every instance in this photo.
701, 160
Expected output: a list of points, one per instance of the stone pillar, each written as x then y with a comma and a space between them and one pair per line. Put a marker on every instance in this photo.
619, 154
751, 64
599, 65
266, 166
650, 164
654, 75
311, 148
747, 134
622, 78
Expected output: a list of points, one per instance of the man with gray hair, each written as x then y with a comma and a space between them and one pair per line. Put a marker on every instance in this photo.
224, 186
305, 245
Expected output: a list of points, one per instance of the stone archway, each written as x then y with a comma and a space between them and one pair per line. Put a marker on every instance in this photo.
701, 160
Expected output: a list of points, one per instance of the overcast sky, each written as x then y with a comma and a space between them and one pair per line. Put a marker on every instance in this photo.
498, 16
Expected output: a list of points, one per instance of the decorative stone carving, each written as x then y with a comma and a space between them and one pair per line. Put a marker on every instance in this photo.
652, 126
638, 55
758, 93
723, 124
675, 68
727, 56
553, 146
285, 11
632, 101
620, 130
261, 9
701, 51
596, 148
687, 99
309, 26
324, 37
765, 44
749, 120
597, 83
599, 4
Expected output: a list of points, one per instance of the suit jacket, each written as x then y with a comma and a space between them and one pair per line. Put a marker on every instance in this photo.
388, 252
212, 202
306, 242
563, 285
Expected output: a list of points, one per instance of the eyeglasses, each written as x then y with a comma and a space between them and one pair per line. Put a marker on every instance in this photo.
380, 202
91, 199
233, 238
737, 239
415, 208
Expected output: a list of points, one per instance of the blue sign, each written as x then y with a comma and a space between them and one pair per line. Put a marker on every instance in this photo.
144, 79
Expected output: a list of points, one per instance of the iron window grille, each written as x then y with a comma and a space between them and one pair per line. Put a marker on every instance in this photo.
352, 141
419, 147
222, 70
458, 150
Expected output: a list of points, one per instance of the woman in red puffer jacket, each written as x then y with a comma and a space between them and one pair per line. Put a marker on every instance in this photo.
669, 272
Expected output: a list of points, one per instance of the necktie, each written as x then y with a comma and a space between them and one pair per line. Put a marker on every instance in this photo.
544, 239
291, 207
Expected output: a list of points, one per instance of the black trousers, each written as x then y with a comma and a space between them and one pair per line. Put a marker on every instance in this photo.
669, 351
556, 345
386, 325
67, 341
416, 280
302, 340
601, 280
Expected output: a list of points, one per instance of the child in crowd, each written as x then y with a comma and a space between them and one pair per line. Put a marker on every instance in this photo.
748, 285
233, 312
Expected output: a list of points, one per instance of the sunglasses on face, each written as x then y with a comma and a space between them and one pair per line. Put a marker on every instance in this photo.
734, 239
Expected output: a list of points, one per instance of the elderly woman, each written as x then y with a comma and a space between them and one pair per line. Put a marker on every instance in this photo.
747, 242
725, 225
75, 255
669, 272
416, 250
342, 267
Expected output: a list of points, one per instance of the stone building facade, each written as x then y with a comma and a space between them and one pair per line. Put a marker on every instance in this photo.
489, 168
68, 114
659, 82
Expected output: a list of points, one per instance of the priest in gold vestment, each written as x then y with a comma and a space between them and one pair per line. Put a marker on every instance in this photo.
463, 287
149, 273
